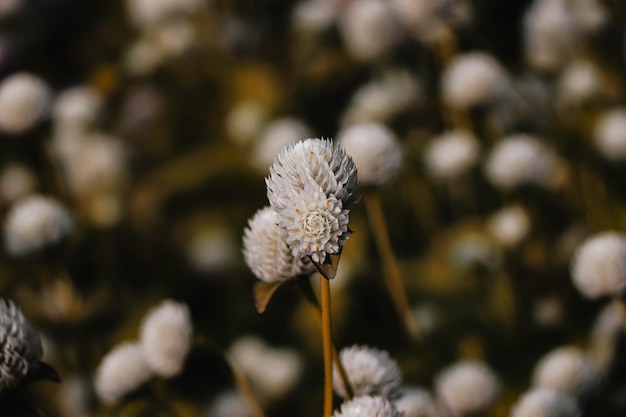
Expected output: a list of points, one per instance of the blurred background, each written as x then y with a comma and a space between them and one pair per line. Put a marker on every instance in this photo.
153, 123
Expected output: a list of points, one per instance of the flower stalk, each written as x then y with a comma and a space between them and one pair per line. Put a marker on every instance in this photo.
327, 345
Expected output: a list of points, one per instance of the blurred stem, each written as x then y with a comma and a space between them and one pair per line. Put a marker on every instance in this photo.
246, 390
328, 346
391, 271
621, 307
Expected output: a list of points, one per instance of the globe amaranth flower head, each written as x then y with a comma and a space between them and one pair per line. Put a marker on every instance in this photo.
266, 253
20, 350
370, 372
311, 186
366, 406
545, 402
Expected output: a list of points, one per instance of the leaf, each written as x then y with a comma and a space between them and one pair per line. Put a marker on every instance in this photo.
263, 292
328, 268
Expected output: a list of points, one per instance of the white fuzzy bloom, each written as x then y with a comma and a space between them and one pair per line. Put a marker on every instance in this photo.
569, 370
417, 402
472, 79
20, 346
375, 150
451, 155
311, 186
370, 372
598, 267
509, 225
146, 13
121, 371
366, 406
245, 120
579, 82
77, 108
609, 134
266, 253
213, 249
603, 339
467, 387
545, 402
427, 19
524, 160
367, 28
314, 15
228, 404
33, 223
275, 136
166, 337
16, 181
272, 372
24, 101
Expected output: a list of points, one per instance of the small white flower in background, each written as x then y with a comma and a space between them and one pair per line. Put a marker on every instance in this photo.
609, 134
417, 402
275, 136
76, 109
121, 371
548, 311
472, 79
428, 20
266, 253
10, 7
245, 120
569, 370
314, 16
16, 181
35, 222
311, 186
579, 82
366, 406
467, 387
370, 372
451, 155
368, 29
545, 402
604, 336
375, 150
228, 404
523, 159
143, 56
272, 372
598, 267
213, 249
24, 101
166, 337
146, 13
509, 225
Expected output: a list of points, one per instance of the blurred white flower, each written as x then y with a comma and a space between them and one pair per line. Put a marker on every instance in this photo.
472, 79
76, 109
275, 136
75, 396
228, 404
35, 222
146, 13
24, 101
213, 249
245, 120
16, 181
579, 82
609, 134
272, 372
427, 20
451, 155
604, 336
314, 15
598, 267
311, 186
467, 387
266, 253
121, 371
9, 8
545, 402
417, 402
569, 370
366, 406
509, 225
370, 372
375, 150
166, 337
548, 311
368, 29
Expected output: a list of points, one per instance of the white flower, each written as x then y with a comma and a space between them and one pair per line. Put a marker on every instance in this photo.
451, 155
472, 79
609, 134
579, 82
245, 120
16, 181
366, 406
524, 160
427, 19
545, 402
272, 372
367, 28
604, 336
35, 222
20, 346
370, 372
467, 387
228, 404
146, 13
569, 370
76, 108
24, 101
121, 371
599, 265
166, 337
311, 186
314, 15
509, 225
266, 253
213, 248
417, 402
375, 151
274, 137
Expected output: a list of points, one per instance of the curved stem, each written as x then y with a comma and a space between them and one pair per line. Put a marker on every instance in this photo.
391, 271
328, 346
246, 390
